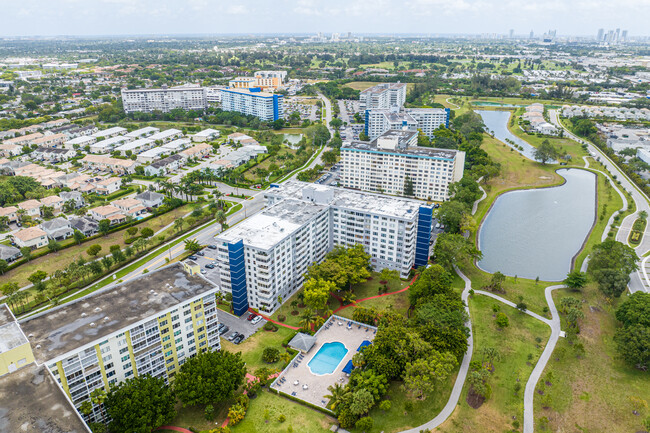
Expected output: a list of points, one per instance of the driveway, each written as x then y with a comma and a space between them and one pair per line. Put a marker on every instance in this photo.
239, 324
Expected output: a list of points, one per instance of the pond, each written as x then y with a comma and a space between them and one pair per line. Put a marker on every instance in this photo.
536, 232
293, 139
493, 104
497, 123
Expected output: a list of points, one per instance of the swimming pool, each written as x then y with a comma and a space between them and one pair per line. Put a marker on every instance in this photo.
327, 358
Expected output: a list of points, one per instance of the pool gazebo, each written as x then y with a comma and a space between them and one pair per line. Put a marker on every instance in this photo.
302, 342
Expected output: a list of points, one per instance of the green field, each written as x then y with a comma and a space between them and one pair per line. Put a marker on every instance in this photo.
593, 393
519, 347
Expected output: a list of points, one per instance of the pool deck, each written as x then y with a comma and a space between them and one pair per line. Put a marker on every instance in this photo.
334, 330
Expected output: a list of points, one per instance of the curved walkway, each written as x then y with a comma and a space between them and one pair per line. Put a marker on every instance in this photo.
268, 319
483, 197
373, 297
173, 428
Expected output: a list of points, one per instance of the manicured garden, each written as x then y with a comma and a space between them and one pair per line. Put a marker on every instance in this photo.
638, 229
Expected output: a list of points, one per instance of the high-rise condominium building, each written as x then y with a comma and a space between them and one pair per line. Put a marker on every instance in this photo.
164, 100
263, 258
266, 106
149, 325
427, 120
383, 96
393, 159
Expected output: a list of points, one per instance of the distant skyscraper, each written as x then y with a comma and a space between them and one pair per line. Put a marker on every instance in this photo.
601, 33
532, 34
512, 32
624, 35
617, 35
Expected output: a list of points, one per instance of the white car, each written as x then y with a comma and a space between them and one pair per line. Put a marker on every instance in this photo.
256, 320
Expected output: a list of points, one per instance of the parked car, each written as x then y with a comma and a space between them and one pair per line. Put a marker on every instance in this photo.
256, 320
238, 339
233, 336
210, 266
212, 247
251, 316
224, 330
203, 271
193, 257
200, 253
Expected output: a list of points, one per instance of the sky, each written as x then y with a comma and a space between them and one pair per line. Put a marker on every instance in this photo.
150, 17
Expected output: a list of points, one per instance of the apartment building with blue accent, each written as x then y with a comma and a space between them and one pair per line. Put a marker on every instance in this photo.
253, 101
427, 120
302, 222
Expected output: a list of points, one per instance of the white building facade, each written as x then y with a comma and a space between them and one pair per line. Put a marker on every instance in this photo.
383, 96
164, 100
378, 121
266, 106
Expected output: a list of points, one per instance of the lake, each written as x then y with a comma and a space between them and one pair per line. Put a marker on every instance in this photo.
535, 233
497, 123
293, 139
493, 104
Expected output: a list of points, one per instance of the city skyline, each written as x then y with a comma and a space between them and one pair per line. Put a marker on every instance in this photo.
428, 17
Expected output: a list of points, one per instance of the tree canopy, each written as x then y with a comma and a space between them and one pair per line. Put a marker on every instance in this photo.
610, 265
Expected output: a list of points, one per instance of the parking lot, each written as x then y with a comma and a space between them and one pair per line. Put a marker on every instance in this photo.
208, 258
331, 177
238, 324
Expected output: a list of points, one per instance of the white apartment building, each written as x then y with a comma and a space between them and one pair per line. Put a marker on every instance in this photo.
143, 132
384, 164
164, 99
149, 325
383, 96
428, 120
266, 255
254, 102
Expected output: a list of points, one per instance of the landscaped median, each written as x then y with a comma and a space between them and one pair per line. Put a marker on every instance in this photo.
636, 234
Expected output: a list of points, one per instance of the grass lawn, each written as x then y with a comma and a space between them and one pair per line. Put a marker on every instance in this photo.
301, 418
398, 418
515, 344
251, 174
363, 85
251, 349
59, 260
593, 393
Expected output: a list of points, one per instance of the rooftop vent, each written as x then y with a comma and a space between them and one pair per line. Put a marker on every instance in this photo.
97, 309
106, 319
83, 314
38, 346
30, 335
92, 325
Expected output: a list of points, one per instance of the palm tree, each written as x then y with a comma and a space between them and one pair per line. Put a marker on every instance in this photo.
192, 245
220, 217
307, 318
337, 391
97, 398
178, 224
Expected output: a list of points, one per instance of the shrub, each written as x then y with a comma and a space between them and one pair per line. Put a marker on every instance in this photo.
364, 424
209, 412
270, 355
282, 317
268, 326
282, 418
385, 405
408, 406
236, 413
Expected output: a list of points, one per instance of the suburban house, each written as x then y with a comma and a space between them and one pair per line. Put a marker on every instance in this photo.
8, 150
205, 135
53, 201
197, 151
31, 207
53, 154
87, 226
57, 229
109, 212
130, 206
108, 186
23, 140
151, 155
150, 199
32, 237
115, 165
166, 136
10, 212
9, 253
164, 166
177, 145
236, 137
52, 140
75, 196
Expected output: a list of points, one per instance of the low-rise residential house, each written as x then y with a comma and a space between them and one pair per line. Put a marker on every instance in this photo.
56, 123
150, 199
9, 150
151, 155
130, 206
143, 132
53, 154
137, 146
32, 237
53, 201
205, 135
109, 212
167, 135
9, 253
108, 186
57, 229
24, 139
176, 145
80, 142
74, 196
198, 151
236, 137
32, 207
53, 140
87, 226
164, 166
11, 212
109, 144
113, 165
110, 132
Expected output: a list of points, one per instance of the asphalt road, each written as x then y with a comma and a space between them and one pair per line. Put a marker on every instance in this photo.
638, 280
